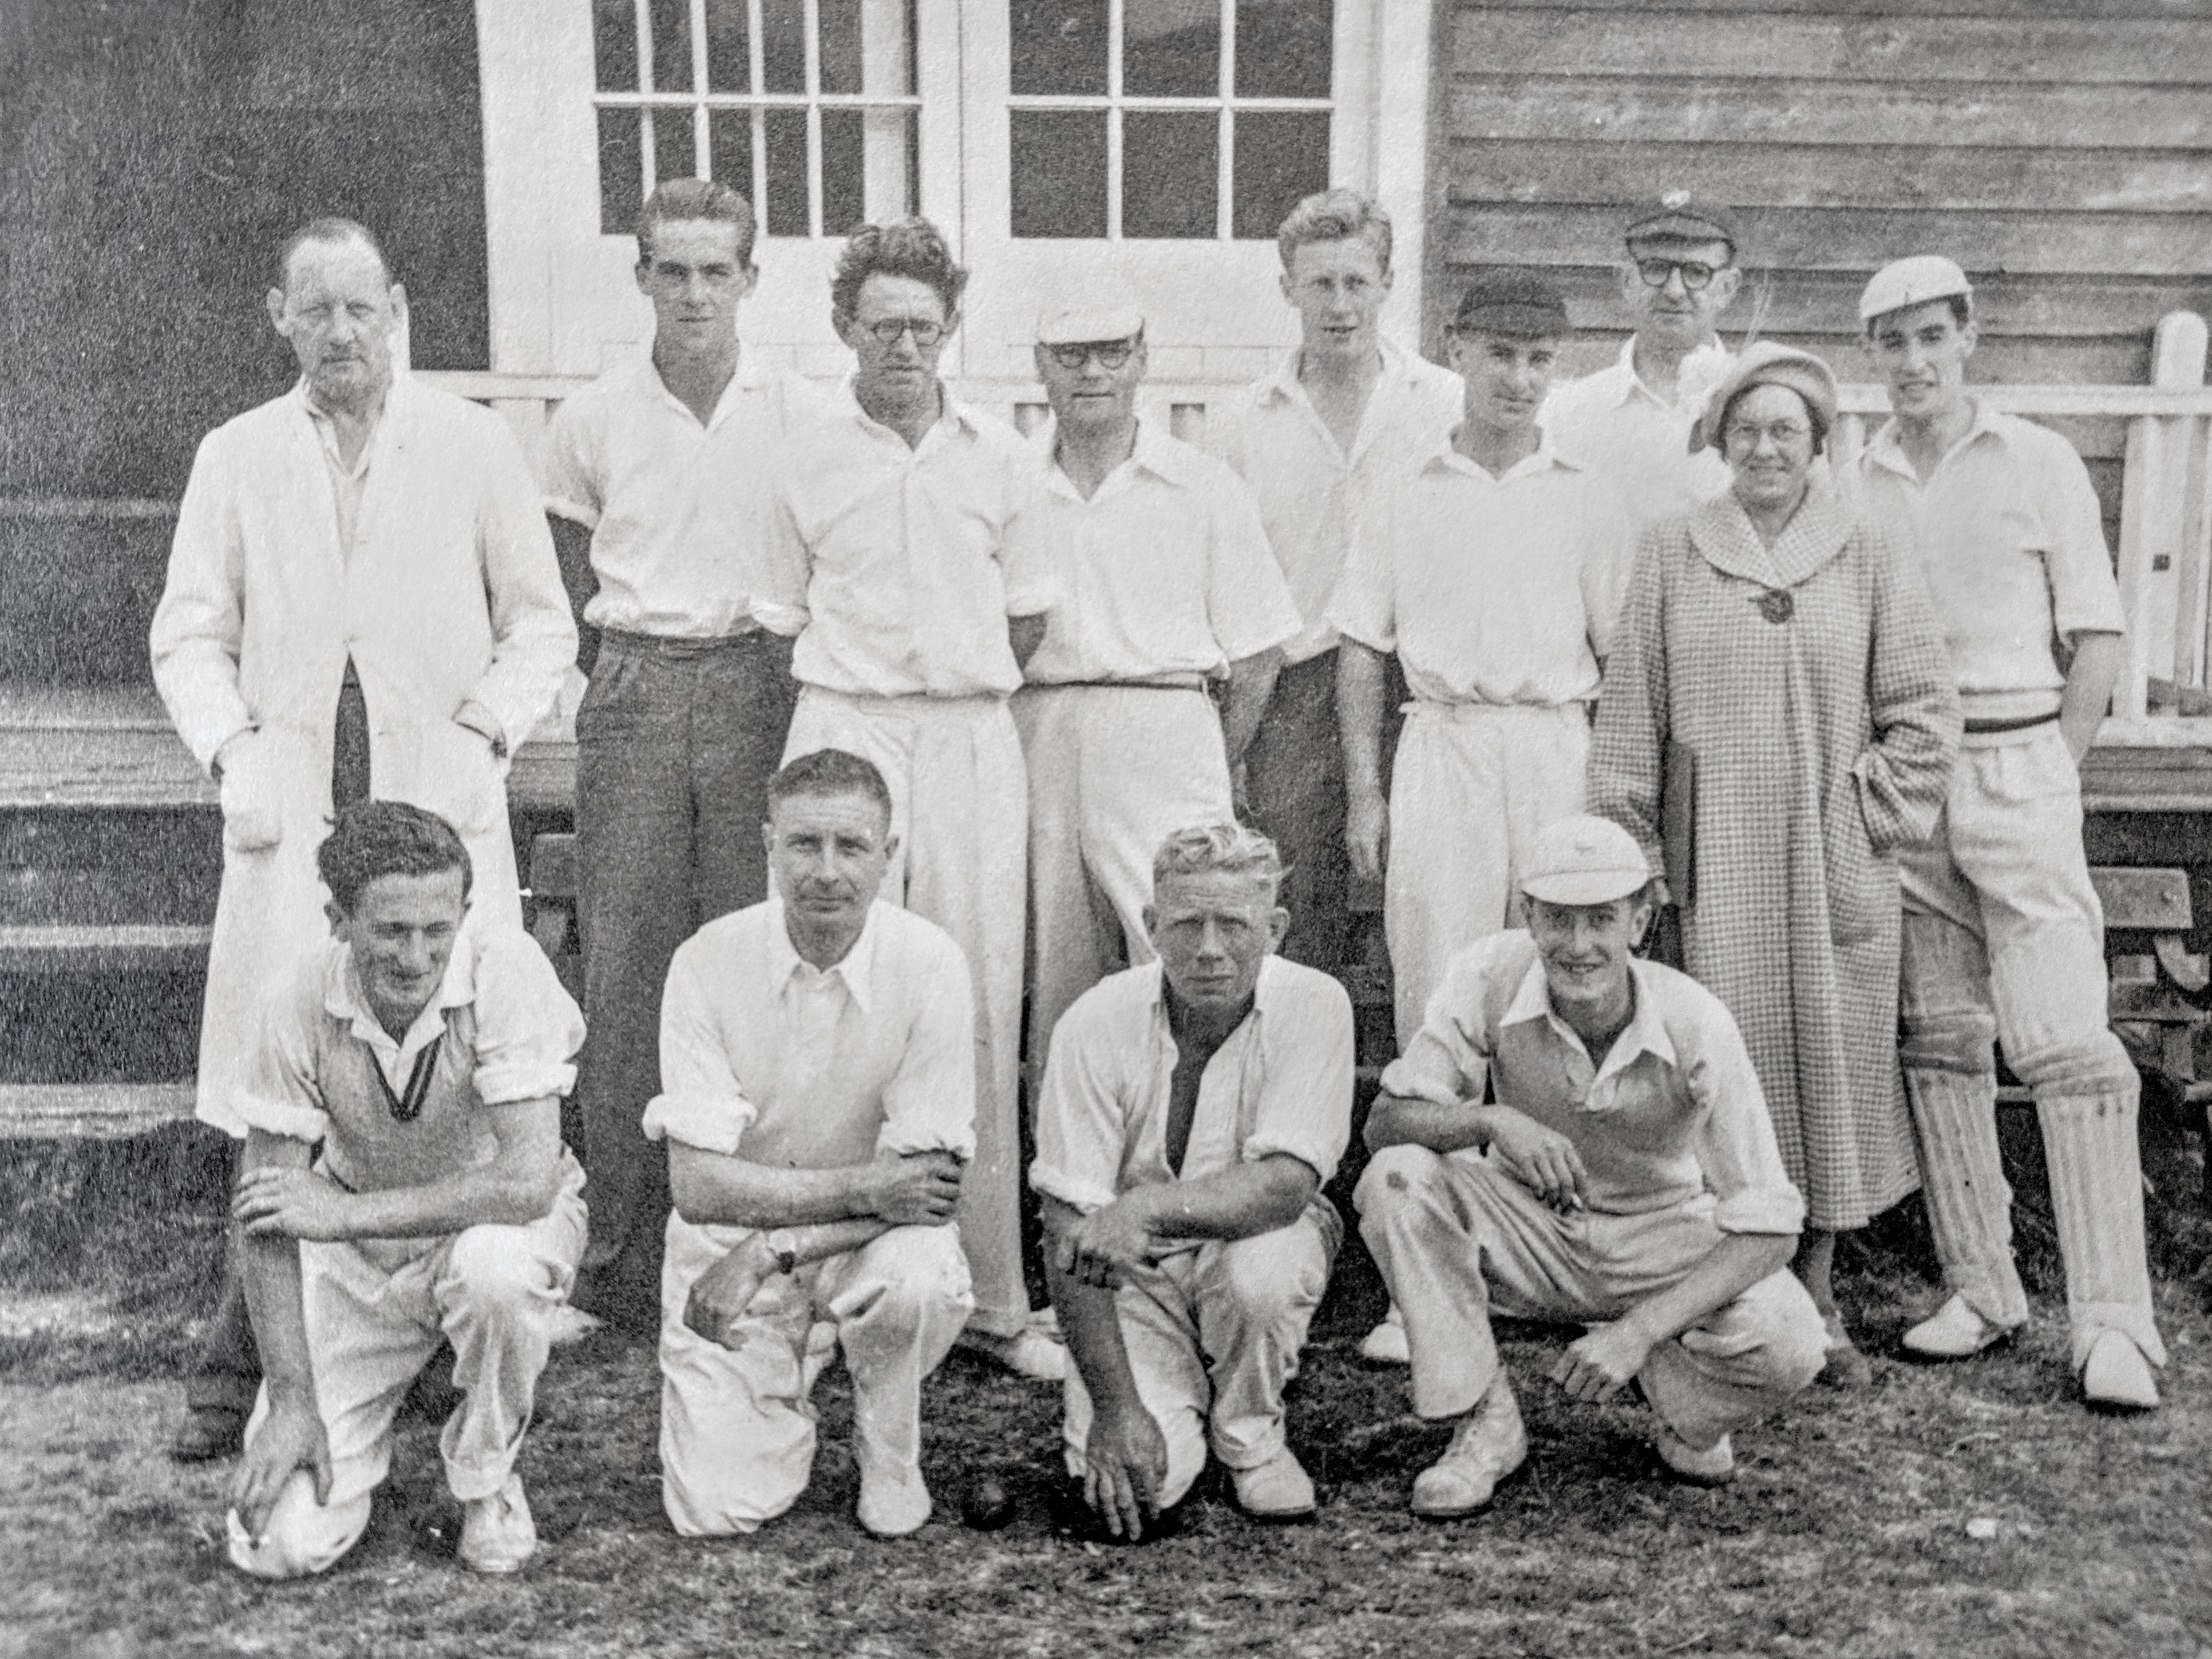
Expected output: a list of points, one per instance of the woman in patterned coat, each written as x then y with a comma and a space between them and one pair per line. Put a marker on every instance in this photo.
1779, 711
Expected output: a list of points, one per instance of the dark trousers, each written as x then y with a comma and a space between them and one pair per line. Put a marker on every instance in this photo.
676, 742
1294, 783
226, 1373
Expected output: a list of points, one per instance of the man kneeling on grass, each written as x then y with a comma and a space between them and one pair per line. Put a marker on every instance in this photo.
1192, 1108
405, 1184
1625, 1176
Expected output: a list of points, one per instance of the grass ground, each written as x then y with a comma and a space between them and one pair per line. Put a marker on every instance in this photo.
1974, 1510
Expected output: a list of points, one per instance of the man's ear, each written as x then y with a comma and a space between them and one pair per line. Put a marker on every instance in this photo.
276, 302
1279, 925
1732, 276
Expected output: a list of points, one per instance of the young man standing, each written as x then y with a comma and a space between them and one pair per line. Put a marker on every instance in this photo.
1630, 422
2004, 934
1623, 1175
405, 1184
652, 476
1347, 406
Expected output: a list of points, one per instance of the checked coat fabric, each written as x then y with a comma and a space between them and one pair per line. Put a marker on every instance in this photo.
1809, 682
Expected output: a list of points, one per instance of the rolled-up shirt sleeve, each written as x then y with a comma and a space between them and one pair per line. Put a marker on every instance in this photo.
1305, 1099
929, 1104
1735, 1145
1448, 1062
284, 1092
528, 1027
701, 1102
2085, 597
573, 466
1082, 1117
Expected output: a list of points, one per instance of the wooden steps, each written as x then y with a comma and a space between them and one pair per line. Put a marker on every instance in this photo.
121, 948
100, 1111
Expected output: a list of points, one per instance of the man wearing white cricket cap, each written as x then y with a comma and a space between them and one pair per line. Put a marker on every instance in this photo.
1163, 587
2003, 935
1625, 1175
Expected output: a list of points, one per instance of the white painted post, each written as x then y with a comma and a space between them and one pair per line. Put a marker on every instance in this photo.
2162, 564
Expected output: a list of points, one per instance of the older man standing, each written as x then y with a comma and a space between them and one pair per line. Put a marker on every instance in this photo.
1630, 421
2004, 934
888, 534
1622, 1174
1192, 1109
818, 1076
361, 599
1162, 584
654, 477
1346, 406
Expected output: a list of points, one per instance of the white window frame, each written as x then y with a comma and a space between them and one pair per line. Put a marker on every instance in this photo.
1225, 102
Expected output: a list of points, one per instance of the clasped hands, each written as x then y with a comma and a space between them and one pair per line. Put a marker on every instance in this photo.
915, 1189
1104, 1248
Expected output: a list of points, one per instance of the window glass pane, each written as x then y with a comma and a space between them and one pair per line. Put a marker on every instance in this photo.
867, 167
675, 149
1059, 186
620, 172
729, 69
1283, 48
730, 149
1168, 178
786, 172
783, 45
867, 45
672, 45
1171, 48
1059, 46
1281, 157
614, 44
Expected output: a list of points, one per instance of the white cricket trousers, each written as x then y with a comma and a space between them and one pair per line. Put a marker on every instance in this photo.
1114, 771
1472, 786
1455, 1236
1213, 1335
2004, 939
376, 1309
960, 809
736, 1427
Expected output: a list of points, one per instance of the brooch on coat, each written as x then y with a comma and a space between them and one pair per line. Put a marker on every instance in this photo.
1776, 606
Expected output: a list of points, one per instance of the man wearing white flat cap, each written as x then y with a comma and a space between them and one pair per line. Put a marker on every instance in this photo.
2003, 935
1164, 588
1625, 1175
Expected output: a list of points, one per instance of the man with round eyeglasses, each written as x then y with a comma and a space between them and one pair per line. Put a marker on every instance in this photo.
888, 533
1163, 587
1630, 421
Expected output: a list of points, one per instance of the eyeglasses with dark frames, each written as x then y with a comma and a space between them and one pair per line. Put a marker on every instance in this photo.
925, 333
1111, 354
1696, 273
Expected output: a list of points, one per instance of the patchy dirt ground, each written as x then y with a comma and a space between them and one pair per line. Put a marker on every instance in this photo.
1972, 1509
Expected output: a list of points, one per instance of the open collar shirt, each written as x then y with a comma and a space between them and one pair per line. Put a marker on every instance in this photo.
502, 1031
2012, 540
1491, 590
1280, 1083
347, 483
1639, 441
673, 505
1164, 572
1311, 490
1674, 1115
891, 563
767, 1058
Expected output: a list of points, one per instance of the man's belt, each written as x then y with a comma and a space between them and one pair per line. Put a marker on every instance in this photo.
2028, 723
678, 647
1158, 683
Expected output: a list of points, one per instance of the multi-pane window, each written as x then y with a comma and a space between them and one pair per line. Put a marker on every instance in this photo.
1205, 118
807, 106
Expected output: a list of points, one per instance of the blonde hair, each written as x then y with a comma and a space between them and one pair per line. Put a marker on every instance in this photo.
1231, 849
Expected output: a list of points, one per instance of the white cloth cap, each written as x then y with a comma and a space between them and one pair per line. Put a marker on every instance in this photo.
1912, 282
1584, 860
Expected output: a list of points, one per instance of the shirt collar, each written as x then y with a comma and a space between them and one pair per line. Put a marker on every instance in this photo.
855, 970
324, 424
1885, 449
1281, 383
953, 413
1646, 1032
1699, 373
1266, 994
751, 375
344, 999
1546, 456
1156, 451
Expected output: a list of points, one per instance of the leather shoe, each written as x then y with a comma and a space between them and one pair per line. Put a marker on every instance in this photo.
1845, 1367
207, 1433
1954, 1332
2116, 1374
1029, 1353
1277, 1490
1488, 1445
1713, 1467
1386, 1344
497, 1533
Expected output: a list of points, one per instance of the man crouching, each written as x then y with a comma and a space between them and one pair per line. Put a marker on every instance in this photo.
1192, 1108
818, 1070
1625, 1175
404, 1183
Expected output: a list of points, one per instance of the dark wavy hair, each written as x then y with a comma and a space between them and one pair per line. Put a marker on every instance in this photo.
376, 838
906, 247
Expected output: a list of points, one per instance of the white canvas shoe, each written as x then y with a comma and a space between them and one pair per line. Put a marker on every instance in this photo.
497, 1533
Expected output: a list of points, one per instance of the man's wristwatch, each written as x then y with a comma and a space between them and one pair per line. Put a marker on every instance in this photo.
784, 1248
